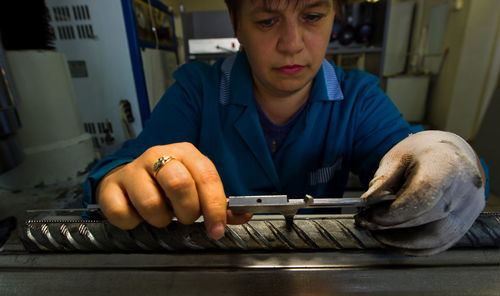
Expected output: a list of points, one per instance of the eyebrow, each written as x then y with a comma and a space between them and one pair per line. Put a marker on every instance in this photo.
268, 9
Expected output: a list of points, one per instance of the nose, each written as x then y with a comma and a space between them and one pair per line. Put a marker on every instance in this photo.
291, 38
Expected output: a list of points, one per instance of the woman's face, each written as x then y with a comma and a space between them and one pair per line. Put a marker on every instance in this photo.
285, 43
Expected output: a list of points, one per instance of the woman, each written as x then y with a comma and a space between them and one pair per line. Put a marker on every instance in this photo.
279, 119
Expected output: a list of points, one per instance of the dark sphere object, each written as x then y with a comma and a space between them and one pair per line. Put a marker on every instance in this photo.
364, 34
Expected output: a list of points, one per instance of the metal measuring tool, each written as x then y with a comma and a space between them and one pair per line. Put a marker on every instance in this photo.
288, 207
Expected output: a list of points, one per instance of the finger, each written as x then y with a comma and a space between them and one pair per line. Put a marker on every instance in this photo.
430, 189
237, 219
390, 175
148, 199
438, 235
210, 190
434, 236
116, 207
426, 239
452, 201
180, 189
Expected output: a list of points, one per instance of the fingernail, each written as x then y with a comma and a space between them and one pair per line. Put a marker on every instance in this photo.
217, 231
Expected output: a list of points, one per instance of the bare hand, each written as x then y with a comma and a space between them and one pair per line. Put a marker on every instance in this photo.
185, 187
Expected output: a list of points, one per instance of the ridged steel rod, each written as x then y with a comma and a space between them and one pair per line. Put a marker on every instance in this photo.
336, 232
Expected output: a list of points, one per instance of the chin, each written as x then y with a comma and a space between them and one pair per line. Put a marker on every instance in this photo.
290, 88
293, 84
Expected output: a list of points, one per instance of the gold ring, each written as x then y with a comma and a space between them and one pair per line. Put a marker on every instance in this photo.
160, 163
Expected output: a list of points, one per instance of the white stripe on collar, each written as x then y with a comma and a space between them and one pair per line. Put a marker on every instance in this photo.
225, 81
331, 82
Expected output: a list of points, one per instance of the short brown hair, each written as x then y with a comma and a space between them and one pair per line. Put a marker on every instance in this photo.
234, 7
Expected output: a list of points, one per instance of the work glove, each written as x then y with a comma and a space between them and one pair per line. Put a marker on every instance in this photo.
439, 189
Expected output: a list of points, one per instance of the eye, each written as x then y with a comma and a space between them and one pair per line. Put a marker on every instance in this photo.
313, 17
267, 23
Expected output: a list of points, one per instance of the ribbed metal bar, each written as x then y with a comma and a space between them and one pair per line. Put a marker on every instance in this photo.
335, 232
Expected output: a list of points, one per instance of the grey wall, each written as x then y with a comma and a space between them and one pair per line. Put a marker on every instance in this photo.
487, 141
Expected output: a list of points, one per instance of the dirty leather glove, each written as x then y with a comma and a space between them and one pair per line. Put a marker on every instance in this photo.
439, 190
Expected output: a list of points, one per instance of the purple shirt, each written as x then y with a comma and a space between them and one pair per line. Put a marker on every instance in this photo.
276, 134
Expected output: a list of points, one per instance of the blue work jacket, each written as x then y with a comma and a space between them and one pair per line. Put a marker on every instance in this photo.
347, 125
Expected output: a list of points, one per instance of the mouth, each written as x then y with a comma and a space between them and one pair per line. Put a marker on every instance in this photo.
290, 69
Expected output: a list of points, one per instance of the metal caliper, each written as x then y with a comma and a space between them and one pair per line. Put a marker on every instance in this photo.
281, 204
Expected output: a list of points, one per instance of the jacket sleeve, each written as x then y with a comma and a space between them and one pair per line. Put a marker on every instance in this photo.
378, 125
175, 119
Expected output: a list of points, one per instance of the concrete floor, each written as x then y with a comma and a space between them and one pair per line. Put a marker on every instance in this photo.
64, 195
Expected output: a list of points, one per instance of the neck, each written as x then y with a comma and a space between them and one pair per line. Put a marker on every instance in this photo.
280, 108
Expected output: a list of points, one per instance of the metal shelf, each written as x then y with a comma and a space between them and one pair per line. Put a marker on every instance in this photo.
378, 46
348, 50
